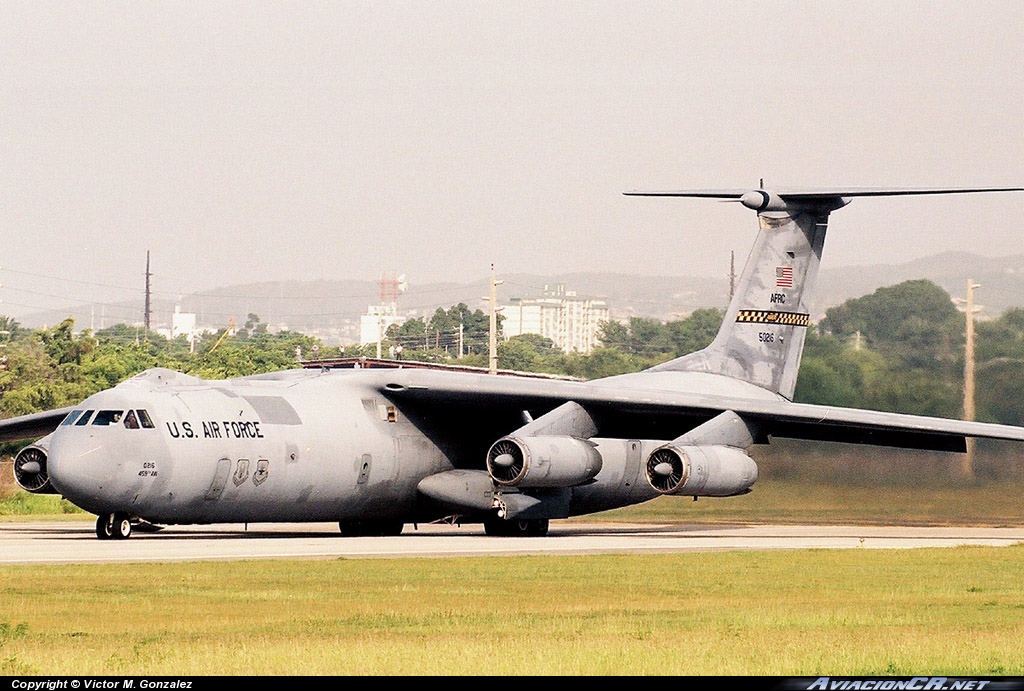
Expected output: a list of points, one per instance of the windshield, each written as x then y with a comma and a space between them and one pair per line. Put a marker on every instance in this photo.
108, 417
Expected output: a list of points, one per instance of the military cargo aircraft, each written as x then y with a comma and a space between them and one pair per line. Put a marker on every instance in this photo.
376, 449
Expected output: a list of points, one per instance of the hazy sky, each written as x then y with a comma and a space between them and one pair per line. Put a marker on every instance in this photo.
247, 141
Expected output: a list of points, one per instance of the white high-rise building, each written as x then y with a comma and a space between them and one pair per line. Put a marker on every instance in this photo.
571, 322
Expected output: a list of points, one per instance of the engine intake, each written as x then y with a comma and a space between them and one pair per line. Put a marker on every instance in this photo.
707, 471
543, 461
30, 468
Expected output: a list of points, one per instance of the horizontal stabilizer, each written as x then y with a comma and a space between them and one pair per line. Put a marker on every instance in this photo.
822, 193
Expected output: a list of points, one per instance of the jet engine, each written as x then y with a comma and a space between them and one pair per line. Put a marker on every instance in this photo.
543, 461
707, 471
30, 468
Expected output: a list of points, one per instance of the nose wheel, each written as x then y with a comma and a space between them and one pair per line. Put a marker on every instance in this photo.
113, 526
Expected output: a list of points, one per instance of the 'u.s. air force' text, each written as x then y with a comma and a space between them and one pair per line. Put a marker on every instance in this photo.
213, 429
914, 684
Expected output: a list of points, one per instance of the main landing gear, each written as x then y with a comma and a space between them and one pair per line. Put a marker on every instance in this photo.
113, 526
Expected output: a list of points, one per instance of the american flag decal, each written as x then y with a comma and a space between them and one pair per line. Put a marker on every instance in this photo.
783, 276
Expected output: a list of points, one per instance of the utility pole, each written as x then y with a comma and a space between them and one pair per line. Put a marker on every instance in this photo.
969, 309
146, 315
493, 336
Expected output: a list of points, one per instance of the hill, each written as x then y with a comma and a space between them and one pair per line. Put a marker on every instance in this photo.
331, 309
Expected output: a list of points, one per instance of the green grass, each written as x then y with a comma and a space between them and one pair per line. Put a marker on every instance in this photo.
951, 612
822, 503
20, 504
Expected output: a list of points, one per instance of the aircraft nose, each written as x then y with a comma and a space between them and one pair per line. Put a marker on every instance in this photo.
82, 469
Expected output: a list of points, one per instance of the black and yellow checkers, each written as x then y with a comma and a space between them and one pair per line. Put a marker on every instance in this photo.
771, 317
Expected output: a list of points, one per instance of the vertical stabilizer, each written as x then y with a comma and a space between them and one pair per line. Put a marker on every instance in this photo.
762, 336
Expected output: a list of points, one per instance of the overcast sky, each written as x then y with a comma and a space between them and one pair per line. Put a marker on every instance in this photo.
248, 141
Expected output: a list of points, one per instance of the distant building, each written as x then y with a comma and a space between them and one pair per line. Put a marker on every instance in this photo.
378, 318
183, 323
571, 322
375, 323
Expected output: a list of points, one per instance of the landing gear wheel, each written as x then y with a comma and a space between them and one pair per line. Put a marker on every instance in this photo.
497, 527
113, 526
122, 528
104, 527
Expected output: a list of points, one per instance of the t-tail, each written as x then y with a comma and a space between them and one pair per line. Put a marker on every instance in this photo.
761, 339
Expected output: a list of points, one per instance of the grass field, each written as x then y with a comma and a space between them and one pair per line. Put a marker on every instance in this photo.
850, 612
815, 502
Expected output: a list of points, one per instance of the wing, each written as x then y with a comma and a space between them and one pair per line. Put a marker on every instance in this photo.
465, 413
31, 426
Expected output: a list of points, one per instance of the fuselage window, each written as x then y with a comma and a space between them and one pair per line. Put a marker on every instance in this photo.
145, 420
84, 420
72, 416
108, 417
130, 421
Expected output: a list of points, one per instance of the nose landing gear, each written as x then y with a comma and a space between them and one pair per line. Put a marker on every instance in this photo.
113, 526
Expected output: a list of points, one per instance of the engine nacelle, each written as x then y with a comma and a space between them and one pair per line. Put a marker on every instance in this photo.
552, 461
30, 468
705, 471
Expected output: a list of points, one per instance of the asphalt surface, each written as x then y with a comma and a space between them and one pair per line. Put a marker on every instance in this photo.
76, 542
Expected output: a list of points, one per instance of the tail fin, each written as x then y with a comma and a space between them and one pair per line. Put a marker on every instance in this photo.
762, 336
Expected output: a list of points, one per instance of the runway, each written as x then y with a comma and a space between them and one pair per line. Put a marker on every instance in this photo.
74, 542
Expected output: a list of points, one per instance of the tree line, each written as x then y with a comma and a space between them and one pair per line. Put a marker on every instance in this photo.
899, 349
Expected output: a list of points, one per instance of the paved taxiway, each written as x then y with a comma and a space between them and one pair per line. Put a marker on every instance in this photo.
27, 543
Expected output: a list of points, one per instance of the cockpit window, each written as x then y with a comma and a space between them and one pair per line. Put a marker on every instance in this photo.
145, 420
108, 417
84, 420
130, 421
70, 419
